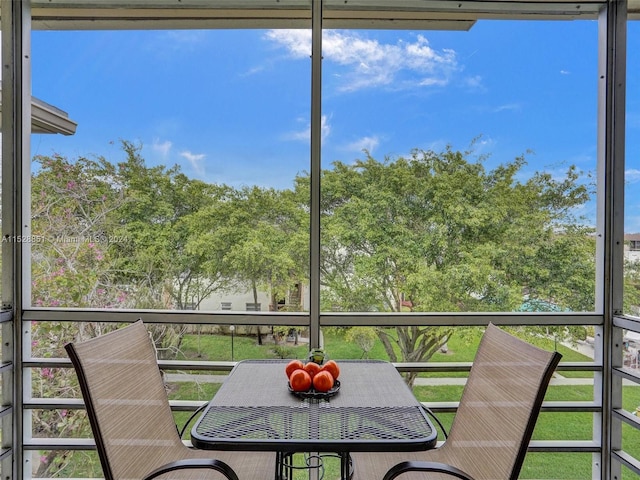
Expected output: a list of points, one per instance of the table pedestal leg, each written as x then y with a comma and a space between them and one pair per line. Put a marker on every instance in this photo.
314, 466
285, 468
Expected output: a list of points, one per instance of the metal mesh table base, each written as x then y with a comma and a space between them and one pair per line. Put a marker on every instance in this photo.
286, 466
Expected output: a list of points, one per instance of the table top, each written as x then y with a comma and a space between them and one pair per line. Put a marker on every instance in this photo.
374, 410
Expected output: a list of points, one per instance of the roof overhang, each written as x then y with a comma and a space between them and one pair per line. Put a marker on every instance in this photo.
374, 14
46, 118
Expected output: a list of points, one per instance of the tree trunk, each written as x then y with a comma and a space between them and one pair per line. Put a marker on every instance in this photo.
255, 301
415, 344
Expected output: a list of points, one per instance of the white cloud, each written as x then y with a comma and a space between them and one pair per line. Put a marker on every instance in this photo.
633, 120
632, 175
565, 72
427, 82
368, 143
305, 133
297, 42
325, 127
253, 71
369, 63
474, 82
162, 148
508, 106
302, 135
195, 160
482, 145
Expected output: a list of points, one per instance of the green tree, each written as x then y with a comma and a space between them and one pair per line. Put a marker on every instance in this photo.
632, 287
258, 235
73, 204
72, 266
437, 233
157, 222
87, 254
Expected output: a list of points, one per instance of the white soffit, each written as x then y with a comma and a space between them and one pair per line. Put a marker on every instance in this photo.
46, 118
374, 14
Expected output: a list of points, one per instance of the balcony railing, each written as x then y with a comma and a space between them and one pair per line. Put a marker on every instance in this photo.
563, 407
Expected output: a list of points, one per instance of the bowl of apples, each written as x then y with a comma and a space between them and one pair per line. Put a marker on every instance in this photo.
312, 380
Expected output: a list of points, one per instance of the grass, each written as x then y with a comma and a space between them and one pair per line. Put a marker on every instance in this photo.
219, 348
550, 426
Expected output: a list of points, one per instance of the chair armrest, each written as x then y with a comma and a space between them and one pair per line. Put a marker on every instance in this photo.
188, 422
418, 466
213, 464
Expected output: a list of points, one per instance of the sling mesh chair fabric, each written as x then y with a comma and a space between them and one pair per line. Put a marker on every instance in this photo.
492, 427
131, 419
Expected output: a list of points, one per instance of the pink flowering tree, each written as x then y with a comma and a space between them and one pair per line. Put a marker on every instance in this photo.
107, 237
72, 266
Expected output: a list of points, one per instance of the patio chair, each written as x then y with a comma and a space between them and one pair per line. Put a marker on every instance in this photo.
490, 434
132, 423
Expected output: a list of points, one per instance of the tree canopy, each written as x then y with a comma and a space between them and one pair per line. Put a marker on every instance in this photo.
429, 232
437, 233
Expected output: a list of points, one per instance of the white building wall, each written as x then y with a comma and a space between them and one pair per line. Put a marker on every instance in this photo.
238, 301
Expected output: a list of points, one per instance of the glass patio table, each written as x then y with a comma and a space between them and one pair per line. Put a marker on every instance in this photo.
374, 410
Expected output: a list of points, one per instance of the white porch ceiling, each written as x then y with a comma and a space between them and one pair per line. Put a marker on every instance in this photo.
378, 14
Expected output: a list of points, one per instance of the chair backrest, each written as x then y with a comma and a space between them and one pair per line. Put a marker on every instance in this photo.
126, 401
499, 406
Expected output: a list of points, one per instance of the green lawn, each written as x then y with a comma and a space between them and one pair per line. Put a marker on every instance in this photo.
551, 426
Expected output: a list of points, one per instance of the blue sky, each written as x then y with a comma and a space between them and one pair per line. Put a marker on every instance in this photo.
233, 106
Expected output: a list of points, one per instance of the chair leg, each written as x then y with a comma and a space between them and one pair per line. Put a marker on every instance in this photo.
284, 466
346, 466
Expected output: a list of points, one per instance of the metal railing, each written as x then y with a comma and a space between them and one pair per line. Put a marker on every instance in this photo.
594, 406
